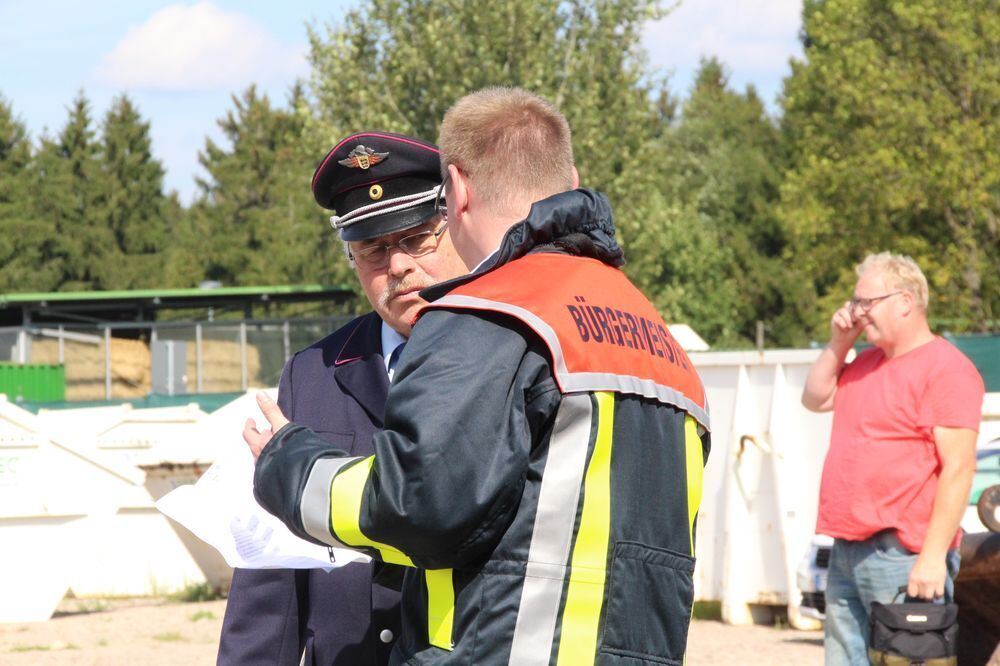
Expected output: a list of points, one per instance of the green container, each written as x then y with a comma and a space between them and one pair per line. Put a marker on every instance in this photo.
21, 382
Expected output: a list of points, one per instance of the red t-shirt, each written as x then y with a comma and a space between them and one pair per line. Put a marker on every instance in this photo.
882, 468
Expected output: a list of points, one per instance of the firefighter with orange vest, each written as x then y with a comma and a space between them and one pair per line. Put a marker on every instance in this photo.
540, 469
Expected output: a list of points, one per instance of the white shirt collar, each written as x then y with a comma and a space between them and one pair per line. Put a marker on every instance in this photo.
390, 340
483, 262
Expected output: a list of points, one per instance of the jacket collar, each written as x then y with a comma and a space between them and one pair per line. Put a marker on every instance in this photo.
359, 367
576, 222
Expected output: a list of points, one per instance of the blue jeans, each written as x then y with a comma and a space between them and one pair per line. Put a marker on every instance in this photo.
862, 572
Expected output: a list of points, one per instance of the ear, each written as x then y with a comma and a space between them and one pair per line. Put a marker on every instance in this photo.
909, 303
576, 178
458, 190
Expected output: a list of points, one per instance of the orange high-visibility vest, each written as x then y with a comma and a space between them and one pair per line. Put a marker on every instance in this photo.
602, 333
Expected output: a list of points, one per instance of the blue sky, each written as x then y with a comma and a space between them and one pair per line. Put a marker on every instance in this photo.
181, 61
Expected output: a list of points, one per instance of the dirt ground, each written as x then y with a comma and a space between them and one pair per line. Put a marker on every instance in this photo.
162, 633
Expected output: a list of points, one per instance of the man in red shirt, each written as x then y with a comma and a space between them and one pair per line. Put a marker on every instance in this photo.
902, 451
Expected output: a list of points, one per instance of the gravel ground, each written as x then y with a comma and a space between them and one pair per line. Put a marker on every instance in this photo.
162, 633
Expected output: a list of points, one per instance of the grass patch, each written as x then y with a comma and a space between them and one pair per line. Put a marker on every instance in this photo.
196, 592
707, 610
91, 606
169, 637
202, 615
31, 648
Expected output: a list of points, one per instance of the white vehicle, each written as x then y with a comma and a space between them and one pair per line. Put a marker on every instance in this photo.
811, 576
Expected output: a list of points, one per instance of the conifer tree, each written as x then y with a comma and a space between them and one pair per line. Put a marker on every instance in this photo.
183, 253
67, 198
132, 200
255, 216
25, 240
721, 163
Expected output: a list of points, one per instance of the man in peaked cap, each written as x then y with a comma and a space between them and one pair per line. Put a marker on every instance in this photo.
384, 189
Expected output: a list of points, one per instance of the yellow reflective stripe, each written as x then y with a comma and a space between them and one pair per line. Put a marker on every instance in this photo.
346, 491
440, 607
588, 564
695, 469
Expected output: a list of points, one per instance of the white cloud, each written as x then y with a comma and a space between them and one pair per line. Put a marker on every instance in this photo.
754, 38
199, 47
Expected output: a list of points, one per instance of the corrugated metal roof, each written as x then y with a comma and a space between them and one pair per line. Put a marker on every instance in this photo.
144, 304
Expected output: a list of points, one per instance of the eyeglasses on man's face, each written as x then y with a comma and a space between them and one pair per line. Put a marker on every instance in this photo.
864, 305
415, 245
441, 202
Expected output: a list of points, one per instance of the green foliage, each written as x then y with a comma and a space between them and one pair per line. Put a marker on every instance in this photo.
67, 202
694, 197
707, 610
888, 140
82, 211
96, 204
132, 200
720, 166
91, 606
255, 219
398, 65
182, 254
202, 615
25, 243
893, 123
196, 592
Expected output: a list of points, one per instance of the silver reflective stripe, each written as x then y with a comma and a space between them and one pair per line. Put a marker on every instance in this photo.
571, 382
315, 503
527, 316
552, 534
647, 388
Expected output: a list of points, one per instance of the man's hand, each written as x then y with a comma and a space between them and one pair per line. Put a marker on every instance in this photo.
258, 439
821, 383
844, 328
956, 449
927, 577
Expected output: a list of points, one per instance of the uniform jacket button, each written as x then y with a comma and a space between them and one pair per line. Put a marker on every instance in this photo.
385, 636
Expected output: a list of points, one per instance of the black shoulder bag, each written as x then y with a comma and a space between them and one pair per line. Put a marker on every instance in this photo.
913, 633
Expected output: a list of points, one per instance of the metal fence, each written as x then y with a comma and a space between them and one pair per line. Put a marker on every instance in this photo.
133, 359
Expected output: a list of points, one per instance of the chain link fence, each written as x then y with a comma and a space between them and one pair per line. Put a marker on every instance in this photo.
129, 360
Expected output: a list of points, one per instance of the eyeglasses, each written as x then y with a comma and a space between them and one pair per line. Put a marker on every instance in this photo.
866, 304
441, 203
415, 245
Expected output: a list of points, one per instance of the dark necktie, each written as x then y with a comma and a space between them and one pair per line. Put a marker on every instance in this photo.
394, 358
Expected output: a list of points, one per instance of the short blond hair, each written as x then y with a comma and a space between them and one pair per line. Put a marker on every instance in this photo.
900, 272
512, 145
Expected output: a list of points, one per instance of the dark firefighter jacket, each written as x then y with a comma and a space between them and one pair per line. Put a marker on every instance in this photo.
540, 467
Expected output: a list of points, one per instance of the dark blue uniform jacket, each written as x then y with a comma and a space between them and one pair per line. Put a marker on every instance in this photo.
338, 388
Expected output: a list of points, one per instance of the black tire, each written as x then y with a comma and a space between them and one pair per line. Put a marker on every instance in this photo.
987, 506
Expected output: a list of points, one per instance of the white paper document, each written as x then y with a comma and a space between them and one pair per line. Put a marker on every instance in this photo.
220, 509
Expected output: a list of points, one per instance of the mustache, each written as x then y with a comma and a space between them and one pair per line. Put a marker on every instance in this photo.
395, 286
